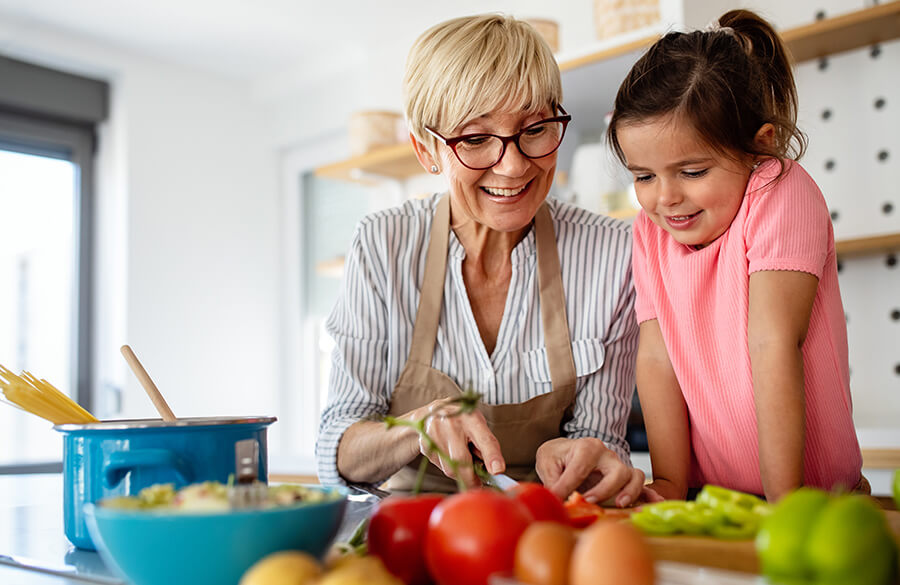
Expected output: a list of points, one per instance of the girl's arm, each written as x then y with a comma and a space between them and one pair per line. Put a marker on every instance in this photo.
780, 307
665, 414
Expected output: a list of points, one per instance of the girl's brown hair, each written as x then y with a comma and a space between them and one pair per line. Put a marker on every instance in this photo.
725, 82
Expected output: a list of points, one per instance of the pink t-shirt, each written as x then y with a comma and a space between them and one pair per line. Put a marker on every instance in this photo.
701, 300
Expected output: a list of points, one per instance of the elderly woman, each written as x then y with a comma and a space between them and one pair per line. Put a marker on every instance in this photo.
492, 286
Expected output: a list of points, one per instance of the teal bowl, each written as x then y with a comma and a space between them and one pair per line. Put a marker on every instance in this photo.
149, 547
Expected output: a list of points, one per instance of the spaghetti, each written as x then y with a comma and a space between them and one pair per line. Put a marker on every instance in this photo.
40, 398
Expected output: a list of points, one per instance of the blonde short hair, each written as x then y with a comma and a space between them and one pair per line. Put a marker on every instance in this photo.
467, 67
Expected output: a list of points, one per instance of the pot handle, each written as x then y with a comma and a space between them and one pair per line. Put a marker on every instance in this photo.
118, 464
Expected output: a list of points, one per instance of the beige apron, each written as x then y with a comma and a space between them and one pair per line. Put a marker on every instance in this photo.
520, 428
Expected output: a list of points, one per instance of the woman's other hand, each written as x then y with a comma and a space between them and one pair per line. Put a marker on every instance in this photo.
586, 464
459, 436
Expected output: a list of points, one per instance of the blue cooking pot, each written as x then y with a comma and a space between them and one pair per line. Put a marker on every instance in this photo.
120, 458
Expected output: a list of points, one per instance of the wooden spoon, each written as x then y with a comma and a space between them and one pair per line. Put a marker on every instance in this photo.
152, 391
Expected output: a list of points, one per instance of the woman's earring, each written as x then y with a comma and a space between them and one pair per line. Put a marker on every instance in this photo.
434, 169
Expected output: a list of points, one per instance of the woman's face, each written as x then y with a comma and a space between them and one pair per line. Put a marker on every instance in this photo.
506, 196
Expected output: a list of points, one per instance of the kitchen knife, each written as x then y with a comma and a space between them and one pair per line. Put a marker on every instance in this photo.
503, 481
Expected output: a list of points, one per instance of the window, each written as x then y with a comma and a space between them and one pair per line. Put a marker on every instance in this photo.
47, 143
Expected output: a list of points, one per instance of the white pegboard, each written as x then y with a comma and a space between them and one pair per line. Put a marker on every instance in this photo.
850, 110
870, 288
838, 113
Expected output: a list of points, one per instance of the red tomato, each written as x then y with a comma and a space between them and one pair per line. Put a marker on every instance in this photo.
473, 535
540, 501
581, 512
397, 535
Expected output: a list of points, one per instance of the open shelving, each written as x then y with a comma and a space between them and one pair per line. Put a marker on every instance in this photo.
588, 100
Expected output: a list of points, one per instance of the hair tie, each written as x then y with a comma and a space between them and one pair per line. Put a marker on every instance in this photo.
715, 27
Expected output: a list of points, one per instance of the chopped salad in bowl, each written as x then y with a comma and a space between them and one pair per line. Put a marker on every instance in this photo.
194, 535
212, 496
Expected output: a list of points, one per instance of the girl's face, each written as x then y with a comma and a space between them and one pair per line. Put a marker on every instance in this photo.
506, 196
684, 186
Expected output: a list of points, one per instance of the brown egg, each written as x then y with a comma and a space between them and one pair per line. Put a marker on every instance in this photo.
611, 553
543, 553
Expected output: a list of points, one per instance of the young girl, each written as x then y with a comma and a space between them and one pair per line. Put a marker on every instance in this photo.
742, 367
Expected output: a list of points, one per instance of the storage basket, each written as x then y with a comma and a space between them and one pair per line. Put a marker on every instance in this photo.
373, 129
614, 17
548, 29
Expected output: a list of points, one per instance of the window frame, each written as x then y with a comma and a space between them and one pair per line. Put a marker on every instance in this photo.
75, 143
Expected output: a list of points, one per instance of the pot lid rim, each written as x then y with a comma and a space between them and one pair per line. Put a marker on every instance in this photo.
156, 423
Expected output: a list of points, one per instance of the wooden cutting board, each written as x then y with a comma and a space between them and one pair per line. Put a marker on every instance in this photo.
723, 554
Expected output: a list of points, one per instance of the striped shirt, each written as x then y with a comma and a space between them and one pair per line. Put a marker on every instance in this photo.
372, 324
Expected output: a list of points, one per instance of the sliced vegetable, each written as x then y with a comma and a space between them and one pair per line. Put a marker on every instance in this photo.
581, 512
717, 512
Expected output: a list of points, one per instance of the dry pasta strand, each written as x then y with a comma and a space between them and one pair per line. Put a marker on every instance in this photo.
41, 398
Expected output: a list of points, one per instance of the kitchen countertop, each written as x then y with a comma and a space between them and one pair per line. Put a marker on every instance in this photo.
31, 533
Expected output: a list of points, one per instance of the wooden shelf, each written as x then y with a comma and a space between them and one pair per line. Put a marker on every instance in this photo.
870, 245
858, 29
392, 162
627, 48
881, 458
591, 79
333, 268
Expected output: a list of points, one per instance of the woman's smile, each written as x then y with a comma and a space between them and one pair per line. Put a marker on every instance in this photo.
507, 194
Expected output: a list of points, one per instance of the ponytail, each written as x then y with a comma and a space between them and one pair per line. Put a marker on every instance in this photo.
726, 82
772, 59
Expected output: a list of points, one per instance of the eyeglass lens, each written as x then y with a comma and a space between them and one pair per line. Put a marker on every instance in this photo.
536, 141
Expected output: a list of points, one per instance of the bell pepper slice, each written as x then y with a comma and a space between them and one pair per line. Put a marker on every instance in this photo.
717, 512
581, 513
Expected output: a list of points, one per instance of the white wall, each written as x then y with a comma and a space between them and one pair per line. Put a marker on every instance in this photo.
188, 233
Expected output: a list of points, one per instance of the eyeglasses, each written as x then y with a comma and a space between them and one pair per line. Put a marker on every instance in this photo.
482, 151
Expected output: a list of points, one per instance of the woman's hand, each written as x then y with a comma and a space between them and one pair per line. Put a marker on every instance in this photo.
454, 433
587, 465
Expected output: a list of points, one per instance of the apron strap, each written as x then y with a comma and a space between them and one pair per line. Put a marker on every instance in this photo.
552, 296
429, 312
553, 303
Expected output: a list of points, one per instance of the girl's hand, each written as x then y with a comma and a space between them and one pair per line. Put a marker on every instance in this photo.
453, 433
586, 464
660, 490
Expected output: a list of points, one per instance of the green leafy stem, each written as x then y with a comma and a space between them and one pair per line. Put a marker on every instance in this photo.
465, 403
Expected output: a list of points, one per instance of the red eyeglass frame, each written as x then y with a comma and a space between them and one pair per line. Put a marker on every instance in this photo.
514, 138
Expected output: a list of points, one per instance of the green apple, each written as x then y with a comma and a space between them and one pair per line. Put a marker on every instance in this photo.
783, 534
897, 488
850, 543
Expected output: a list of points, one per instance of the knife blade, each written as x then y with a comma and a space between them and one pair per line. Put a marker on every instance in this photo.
503, 481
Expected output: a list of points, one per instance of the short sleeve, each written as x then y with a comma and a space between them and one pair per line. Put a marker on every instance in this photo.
788, 226
641, 264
